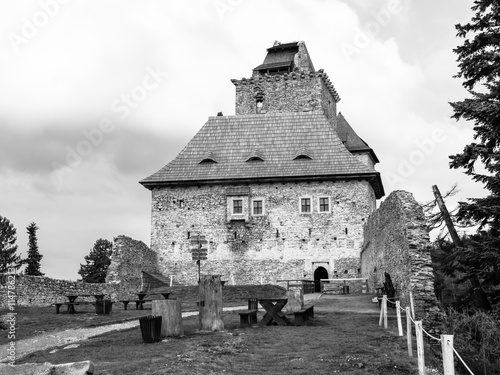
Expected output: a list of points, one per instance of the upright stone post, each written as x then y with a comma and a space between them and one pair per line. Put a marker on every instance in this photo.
210, 292
171, 313
295, 297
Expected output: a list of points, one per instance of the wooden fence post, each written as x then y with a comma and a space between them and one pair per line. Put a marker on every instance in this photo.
210, 296
384, 307
420, 347
398, 314
408, 332
412, 304
381, 318
447, 349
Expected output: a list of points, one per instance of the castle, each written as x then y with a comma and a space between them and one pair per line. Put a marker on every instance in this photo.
280, 190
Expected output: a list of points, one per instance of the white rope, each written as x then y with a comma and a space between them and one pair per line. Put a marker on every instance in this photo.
460, 358
437, 339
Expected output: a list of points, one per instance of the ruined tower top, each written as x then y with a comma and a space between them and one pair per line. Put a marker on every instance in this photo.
286, 82
285, 58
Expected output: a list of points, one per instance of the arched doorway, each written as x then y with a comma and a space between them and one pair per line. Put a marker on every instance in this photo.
319, 273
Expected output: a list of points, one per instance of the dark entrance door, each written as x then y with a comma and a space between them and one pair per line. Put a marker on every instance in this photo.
320, 273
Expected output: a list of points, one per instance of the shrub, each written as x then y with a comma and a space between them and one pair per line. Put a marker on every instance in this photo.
476, 339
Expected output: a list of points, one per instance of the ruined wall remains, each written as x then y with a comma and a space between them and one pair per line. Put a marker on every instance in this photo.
44, 291
396, 241
129, 258
281, 243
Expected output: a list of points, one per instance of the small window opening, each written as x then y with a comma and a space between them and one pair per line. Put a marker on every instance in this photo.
259, 103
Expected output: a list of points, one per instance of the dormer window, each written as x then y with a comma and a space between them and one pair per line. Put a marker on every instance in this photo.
208, 158
302, 154
255, 156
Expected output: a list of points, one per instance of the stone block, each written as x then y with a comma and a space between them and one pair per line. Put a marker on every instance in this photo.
73, 368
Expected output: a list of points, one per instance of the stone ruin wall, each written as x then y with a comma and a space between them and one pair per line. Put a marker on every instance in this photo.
124, 279
129, 258
44, 291
396, 241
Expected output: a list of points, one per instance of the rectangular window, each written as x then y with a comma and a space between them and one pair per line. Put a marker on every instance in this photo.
305, 205
324, 204
257, 207
237, 206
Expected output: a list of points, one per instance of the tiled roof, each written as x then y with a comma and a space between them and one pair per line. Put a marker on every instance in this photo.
233, 138
351, 140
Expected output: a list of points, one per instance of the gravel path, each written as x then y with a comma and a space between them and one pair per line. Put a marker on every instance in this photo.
50, 340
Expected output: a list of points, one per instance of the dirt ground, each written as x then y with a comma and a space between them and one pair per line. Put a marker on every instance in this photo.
343, 338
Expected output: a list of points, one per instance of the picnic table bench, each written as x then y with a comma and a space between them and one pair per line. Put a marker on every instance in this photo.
303, 315
247, 318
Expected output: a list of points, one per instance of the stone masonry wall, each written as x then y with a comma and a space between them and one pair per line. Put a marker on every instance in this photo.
293, 92
44, 291
280, 244
396, 241
128, 259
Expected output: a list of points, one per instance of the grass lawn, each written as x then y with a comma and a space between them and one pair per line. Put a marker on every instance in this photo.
334, 341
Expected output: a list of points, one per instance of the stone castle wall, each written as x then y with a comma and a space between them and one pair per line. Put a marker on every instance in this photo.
280, 244
292, 92
44, 291
129, 258
397, 242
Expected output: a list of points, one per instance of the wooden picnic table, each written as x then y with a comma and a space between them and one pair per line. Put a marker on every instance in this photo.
273, 307
72, 298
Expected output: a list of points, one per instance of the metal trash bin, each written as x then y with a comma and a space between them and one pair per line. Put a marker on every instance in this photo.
103, 306
345, 289
253, 304
150, 328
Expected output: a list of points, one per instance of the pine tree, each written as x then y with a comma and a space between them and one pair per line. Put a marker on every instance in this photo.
34, 256
479, 64
8, 247
97, 261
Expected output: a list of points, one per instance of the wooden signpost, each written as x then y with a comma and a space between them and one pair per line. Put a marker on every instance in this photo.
199, 250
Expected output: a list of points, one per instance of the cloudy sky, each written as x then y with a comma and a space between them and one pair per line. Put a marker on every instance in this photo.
96, 95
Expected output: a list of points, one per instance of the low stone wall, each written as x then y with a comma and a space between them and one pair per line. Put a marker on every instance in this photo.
129, 258
396, 241
44, 291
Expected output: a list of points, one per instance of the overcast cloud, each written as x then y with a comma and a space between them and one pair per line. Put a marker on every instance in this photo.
97, 95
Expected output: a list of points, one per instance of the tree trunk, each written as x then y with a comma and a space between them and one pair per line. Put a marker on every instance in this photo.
479, 296
171, 313
210, 293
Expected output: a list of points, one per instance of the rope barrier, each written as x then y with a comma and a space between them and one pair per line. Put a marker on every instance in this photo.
460, 358
428, 334
437, 339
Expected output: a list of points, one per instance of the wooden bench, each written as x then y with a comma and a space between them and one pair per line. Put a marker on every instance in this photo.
333, 288
302, 316
247, 318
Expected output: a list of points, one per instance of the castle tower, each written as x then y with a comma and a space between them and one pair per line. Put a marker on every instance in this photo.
286, 82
